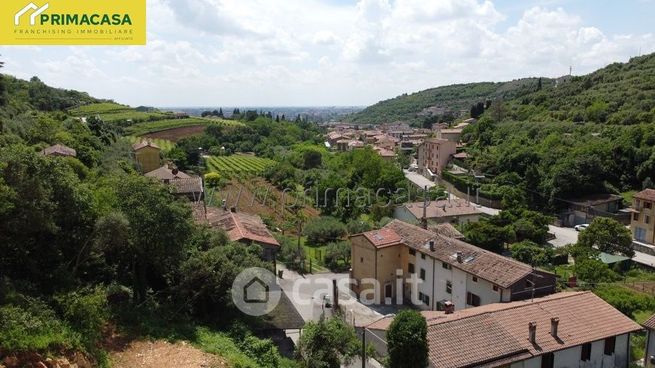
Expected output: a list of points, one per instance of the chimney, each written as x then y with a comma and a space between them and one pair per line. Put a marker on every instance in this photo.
431, 243
532, 332
459, 257
449, 307
554, 323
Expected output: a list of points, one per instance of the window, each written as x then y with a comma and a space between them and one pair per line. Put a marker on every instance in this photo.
449, 287
635, 216
446, 265
586, 352
472, 299
424, 298
610, 343
640, 233
422, 255
647, 219
475, 279
547, 360
495, 287
648, 204
410, 268
412, 252
361, 259
422, 274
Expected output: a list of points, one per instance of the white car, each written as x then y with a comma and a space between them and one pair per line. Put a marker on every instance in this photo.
581, 227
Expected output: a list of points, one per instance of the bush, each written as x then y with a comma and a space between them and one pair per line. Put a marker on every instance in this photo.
86, 310
213, 180
625, 300
337, 256
594, 271
531, 253
323, 230
34, 326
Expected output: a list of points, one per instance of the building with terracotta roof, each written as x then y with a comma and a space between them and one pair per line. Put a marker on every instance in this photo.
59, 150
454, 211
642, 221
433, 156
147, 155
569, 329
241, 227
445, 268
180, 183
452, 135
649, 359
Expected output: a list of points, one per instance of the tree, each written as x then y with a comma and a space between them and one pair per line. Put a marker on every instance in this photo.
337, 256
531, 253
407, 340
488, 236
608, 236
213, 179
357, 226
594, 271
324, 229
327, 344
311, 159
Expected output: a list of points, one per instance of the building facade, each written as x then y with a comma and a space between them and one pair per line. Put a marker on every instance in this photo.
445, 270
434, 155
642, 221
564, 330
147, 156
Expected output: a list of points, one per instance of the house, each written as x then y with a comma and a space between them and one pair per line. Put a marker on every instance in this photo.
59, 150
649, 359
386, 154
455, 211
452, 135
180, 183
147, 155
643, 216
433, 156
241, 227
333, 137
568, 329
447, 230
446, 269
583, 210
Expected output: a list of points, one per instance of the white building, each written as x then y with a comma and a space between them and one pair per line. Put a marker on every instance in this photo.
564, 330
468, 276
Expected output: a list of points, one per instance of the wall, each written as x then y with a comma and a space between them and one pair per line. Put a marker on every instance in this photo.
650, 348
640, 222
364, 264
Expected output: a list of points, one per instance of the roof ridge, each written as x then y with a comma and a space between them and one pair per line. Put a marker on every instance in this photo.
521, 304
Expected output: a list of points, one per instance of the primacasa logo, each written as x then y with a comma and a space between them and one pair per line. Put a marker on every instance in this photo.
66, 22
72, 19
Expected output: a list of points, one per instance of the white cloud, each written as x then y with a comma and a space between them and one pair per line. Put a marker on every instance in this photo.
301, 52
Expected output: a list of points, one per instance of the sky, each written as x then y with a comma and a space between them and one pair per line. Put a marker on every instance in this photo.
340, 52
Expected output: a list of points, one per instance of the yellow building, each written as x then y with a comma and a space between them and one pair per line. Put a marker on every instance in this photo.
147, 155
642, 224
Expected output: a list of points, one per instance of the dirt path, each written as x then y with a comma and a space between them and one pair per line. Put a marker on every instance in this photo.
163, 354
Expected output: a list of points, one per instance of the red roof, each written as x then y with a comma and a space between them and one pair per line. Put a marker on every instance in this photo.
240, 226
382, 238
647, 194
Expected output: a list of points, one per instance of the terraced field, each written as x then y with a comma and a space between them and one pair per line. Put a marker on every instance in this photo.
111, 112
164, 144
159, 125
238, 164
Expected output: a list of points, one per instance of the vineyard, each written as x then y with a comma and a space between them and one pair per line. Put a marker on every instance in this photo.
238, 164
164, 144
159, 125
112, 112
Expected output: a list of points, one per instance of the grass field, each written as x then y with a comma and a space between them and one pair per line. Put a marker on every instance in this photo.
110, 112
238, 164
164, 144
159, 125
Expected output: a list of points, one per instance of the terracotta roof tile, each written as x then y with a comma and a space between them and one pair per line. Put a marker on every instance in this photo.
142, 144
489, 266
59, 150
647, 194
650, 323
382, 238
496, 334
239, 225
443, 208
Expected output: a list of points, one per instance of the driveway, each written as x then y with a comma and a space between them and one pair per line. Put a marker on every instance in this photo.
563, 236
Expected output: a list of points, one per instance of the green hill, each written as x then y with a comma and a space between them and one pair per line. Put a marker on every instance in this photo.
621, 93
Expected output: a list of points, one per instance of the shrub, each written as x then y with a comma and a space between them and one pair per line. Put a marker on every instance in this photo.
323, 230
407, 340
86, 310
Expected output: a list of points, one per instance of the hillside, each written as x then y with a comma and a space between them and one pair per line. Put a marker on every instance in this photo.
621, 93
416, 107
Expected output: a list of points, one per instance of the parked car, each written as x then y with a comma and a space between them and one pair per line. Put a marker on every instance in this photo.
581, 227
